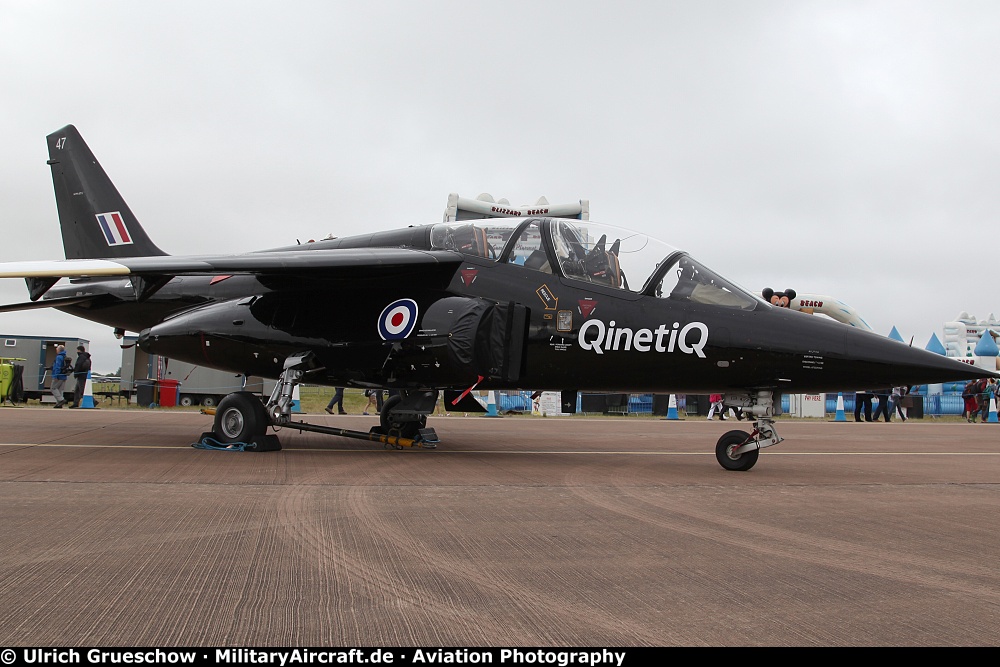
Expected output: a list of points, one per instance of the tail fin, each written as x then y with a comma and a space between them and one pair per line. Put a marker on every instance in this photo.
96, 222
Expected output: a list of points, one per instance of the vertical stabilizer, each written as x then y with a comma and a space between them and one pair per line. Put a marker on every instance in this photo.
95, 220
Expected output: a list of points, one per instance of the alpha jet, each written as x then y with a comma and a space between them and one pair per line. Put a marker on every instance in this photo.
524, 302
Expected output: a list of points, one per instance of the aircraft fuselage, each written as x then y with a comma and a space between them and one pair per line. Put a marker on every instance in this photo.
577, 335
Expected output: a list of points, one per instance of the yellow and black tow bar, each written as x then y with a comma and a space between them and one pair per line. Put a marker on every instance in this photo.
387, 440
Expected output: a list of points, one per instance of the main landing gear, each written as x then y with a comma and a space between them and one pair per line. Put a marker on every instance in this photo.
404, 415
738, 450
242, 420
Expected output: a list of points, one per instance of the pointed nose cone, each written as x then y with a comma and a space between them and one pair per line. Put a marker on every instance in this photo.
893, 363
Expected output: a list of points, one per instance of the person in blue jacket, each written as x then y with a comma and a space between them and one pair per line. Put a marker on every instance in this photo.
59, 370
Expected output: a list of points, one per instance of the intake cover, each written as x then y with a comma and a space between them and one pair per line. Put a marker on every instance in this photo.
460, 339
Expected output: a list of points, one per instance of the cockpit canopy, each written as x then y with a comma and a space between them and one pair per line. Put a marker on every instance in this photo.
591, 252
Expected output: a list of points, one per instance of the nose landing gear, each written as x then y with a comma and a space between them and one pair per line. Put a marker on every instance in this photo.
739, 450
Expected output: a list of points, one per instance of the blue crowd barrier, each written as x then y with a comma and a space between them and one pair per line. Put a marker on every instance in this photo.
519, 401
641, 404
935, 405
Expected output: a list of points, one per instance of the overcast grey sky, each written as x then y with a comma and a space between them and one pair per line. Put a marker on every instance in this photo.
840, 148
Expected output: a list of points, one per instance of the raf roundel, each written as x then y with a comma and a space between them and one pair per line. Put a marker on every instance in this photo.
397, 319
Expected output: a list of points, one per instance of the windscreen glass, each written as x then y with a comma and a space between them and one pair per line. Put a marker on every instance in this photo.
606, 255
595, 253
688, 280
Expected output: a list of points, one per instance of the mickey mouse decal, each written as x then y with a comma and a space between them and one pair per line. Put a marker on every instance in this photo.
779, 299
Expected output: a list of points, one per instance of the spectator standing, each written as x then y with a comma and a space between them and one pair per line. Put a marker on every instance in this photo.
370, 395
978, 403
883, 403
716, 401
863, 399
59, 368
897, 401
80, 371
971, 404
989, 392
338, 400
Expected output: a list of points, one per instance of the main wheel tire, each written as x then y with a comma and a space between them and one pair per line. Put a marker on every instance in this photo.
383, 415
404, 429
727, 443
240, 417
186, 401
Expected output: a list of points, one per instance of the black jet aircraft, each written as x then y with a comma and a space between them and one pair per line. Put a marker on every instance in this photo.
525, 302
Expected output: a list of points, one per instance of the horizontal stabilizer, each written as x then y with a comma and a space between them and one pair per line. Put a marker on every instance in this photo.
47, 303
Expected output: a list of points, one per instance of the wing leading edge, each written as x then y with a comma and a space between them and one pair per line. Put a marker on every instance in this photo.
335, 262
436, 267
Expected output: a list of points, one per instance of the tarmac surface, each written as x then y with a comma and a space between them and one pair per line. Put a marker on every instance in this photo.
515, 531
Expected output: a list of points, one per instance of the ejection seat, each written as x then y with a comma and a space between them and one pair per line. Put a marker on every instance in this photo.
471, 240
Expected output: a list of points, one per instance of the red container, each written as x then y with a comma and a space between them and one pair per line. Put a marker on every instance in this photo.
168, 392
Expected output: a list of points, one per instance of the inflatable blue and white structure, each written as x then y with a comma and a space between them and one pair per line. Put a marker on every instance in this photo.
972, 341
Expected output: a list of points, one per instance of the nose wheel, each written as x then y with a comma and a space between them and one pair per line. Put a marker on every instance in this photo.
726, 451
739, 450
